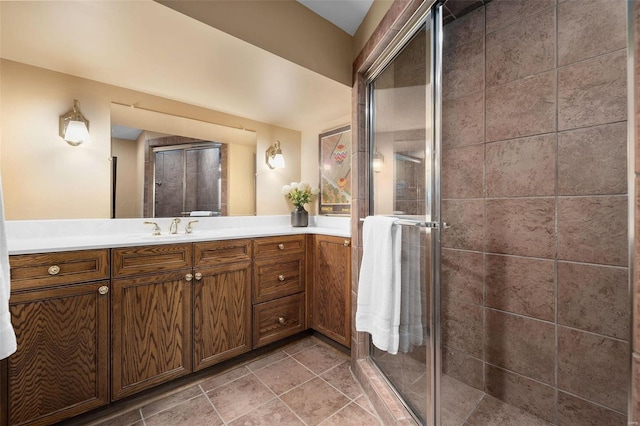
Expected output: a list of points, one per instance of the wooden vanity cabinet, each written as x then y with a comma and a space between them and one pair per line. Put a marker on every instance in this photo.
151, 314
221, 301
60, 313
331, 288
279, 288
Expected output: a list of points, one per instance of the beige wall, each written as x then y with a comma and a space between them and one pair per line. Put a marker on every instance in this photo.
285, 28
45, 178
241, 181
129, 196
289, 30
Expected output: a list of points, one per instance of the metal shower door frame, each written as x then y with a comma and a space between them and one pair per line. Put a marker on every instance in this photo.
429, 14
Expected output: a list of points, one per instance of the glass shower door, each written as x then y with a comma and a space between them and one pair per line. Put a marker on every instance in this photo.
400, 105
187, 178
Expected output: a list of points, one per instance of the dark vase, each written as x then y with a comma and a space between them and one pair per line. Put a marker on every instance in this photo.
299, 217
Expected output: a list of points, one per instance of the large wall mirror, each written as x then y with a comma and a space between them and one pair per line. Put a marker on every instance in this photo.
169, 166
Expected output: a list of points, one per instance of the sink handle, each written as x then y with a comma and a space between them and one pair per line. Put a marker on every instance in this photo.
188, 229
156, 228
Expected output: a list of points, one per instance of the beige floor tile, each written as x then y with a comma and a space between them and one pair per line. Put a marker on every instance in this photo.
124, 419
171, 400
194, 412
351, 415
224, 378
274, 412
284, 375
320, 358
341, 378
314, 401
239, 397
364, 402
267, 360
300, 345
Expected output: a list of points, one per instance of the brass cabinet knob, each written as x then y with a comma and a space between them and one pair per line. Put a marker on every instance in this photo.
198, 276
281, 277
281, 320
53, 270
103, 289
346, 243
281, 246
188, 277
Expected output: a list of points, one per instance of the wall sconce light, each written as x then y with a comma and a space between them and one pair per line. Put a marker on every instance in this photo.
74, 128
378, 162
273, 156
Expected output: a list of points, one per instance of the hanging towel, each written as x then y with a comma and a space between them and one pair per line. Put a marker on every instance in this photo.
378, 310
7, 336
411, 293
201, 213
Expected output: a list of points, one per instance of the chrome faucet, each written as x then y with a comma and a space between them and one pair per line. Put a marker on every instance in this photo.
173, 229
156, 228
188, 229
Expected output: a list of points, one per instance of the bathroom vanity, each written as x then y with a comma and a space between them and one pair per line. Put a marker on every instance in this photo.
103, 323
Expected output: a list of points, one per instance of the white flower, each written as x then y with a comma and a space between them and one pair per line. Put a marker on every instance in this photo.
294, 185
286, 189
314, 191
304, 186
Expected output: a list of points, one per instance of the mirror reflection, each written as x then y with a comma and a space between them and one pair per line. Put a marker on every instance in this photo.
159, 171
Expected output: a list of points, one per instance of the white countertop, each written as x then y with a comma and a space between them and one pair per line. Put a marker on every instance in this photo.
42, 236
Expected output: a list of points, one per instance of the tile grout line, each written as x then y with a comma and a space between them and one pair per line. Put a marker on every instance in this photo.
215, 409
284, 393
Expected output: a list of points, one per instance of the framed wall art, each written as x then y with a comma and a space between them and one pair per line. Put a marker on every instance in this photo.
335, 172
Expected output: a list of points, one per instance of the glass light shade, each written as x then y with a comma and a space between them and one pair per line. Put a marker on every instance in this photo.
378, 162
76, 132
273, 156
74, 128
277, 161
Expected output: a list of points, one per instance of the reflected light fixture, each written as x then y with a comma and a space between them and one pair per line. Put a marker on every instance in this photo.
74, 128
273, 156
378, 162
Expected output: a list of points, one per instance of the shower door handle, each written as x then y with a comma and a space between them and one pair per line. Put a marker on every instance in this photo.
434, 225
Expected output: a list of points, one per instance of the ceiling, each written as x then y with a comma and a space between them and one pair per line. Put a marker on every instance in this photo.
345, 14
127, 44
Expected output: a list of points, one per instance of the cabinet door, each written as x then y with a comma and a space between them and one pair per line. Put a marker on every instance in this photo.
151, 341
331, 300
61, 368
221, 313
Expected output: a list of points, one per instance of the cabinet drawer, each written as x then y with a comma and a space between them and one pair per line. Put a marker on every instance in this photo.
278, 319
277, 246
217, 253
148, 259
275, 278
45, 269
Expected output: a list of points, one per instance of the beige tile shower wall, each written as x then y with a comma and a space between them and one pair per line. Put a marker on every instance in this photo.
534, 267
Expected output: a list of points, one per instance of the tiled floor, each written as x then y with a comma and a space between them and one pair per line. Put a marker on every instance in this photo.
461, 405
305, 383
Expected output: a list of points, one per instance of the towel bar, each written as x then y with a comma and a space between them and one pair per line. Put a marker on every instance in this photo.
418, 223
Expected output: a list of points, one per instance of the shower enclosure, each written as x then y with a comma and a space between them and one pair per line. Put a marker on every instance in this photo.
497, 133
187, 178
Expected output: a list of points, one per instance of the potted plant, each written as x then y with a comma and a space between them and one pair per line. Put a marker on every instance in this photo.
300, 194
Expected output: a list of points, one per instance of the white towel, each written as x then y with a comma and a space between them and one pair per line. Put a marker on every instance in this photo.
7, 336
201, 213
412, 297
378, 311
